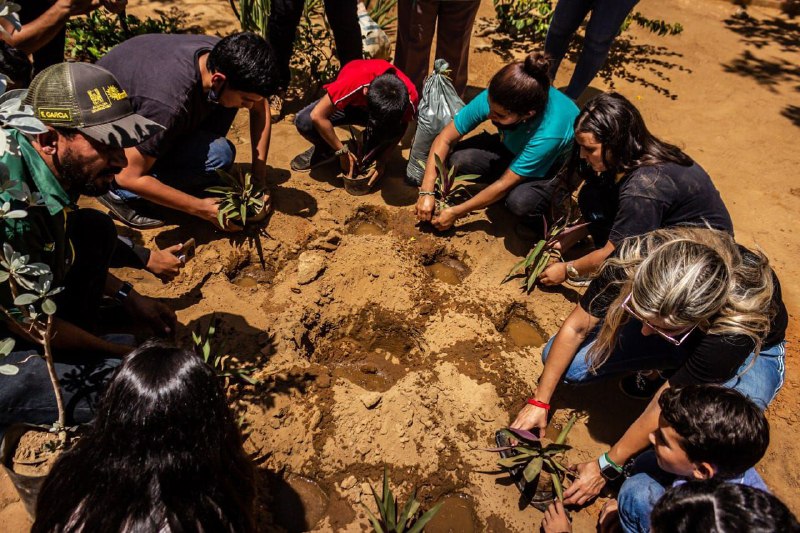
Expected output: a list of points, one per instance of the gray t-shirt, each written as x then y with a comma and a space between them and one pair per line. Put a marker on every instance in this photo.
162, 78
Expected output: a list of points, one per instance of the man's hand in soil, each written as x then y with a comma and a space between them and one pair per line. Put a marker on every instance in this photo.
587, 485
555, 519
554, 274
152, 312
445, 219
426, 205
165, 264
531, 417
348, 162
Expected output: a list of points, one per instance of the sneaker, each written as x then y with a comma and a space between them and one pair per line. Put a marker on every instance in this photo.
641, 386
276, 105
125, 212
309, 159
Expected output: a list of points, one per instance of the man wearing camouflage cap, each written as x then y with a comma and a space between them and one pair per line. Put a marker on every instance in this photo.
89, 124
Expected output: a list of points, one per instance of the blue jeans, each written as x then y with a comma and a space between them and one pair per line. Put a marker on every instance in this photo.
604, 24
28, 396
640, 492
192, 165
759, 382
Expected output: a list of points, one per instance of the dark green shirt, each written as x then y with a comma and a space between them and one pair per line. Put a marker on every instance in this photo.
42, 234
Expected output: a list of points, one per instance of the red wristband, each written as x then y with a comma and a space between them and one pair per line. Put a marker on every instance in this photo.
537, 403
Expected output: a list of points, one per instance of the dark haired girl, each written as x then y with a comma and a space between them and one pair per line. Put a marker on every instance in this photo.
164, 454
634, 183
535, 135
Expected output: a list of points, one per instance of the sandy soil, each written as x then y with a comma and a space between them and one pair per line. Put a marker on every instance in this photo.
366, 360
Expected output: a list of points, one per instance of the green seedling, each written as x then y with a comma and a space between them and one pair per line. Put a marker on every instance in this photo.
534, 458
219, 363
241, 199
447, 183
391, 519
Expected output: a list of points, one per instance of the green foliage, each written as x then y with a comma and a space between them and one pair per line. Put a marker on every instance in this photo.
447, 183
241, 198
314, 58
539, 256
90, 37
391, 518
6, 347
535, 458
658, 26
382, 12
218, 362
253, 15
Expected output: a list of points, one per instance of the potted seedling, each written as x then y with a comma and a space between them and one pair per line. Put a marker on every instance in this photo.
358, 181
448, 188
526, 457
242, 201
391, 518
547, 248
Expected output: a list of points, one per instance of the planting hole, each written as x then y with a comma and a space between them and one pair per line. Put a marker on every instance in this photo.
253, 275
448, 269
368, 220
368, 228
302, 504
523, 332
457, 514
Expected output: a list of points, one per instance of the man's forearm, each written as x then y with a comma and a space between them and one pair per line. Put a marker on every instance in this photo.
260, 133
67, 336
590, 263
325, 128
491, 194
41, 31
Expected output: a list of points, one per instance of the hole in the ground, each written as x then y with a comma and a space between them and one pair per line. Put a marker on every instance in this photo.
521, 329
368, 220
447, 268
457, 514
254, 275
302, 503
372, 349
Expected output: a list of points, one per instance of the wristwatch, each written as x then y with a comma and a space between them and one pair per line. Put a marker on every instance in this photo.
123, 292
572, 272
609, 468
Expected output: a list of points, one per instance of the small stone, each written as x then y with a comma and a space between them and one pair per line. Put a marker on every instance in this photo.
371, 399
326, 246
348, 483
440, 446
395, 361
364, 448
323, 381
316, 419
309, 266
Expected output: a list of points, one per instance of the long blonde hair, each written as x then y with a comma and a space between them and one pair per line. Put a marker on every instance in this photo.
688, 276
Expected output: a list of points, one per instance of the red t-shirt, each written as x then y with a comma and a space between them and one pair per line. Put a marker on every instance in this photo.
347, 88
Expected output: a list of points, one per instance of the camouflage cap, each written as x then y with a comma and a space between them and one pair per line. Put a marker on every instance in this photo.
88, 98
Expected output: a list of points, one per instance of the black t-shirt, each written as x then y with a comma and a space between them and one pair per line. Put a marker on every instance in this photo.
710, 358
162, 78
667, 195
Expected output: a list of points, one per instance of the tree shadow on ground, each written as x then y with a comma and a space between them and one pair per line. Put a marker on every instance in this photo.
628, 59
771, 73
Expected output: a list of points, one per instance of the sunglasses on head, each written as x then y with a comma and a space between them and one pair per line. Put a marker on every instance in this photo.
670, 338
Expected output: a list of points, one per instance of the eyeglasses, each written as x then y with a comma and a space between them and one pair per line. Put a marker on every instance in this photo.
666, 336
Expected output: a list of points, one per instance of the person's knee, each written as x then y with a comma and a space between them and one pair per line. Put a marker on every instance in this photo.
525, 202
303, 122
221, 154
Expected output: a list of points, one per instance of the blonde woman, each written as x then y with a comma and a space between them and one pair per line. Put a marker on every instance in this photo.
689, 301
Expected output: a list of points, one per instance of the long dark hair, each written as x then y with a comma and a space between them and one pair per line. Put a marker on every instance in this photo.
627, 143
163, 454
522, 86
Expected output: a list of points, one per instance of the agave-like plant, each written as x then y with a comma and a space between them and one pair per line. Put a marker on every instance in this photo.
219, 363
391, 519
240, 198
253, 15
533, 458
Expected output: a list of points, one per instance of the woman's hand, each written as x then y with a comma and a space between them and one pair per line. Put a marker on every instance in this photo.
587, 485
426, 205
554, 274
531, 417
445, 220
555, 519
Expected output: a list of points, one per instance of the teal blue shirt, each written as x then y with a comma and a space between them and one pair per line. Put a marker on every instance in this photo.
538, 143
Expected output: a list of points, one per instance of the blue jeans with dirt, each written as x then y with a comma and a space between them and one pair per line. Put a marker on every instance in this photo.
192, 165
759, 378
648, 482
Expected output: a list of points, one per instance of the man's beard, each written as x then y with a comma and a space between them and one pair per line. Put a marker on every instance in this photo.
73, 175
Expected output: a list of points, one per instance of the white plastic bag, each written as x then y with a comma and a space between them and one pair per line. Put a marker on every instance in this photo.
438, 106
374, 41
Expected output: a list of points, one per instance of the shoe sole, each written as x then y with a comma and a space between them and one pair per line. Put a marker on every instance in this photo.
112, 211
315, 165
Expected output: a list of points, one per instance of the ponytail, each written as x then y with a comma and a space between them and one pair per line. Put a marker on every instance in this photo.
522, 86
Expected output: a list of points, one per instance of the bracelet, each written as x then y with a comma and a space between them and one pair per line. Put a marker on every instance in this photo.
614, 465
427, 193
537, 403
343, 150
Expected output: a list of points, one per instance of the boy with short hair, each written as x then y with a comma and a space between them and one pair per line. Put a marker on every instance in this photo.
368, 92
704, 432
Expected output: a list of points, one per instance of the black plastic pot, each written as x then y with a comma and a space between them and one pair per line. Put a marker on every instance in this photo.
358, 186
28, 487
